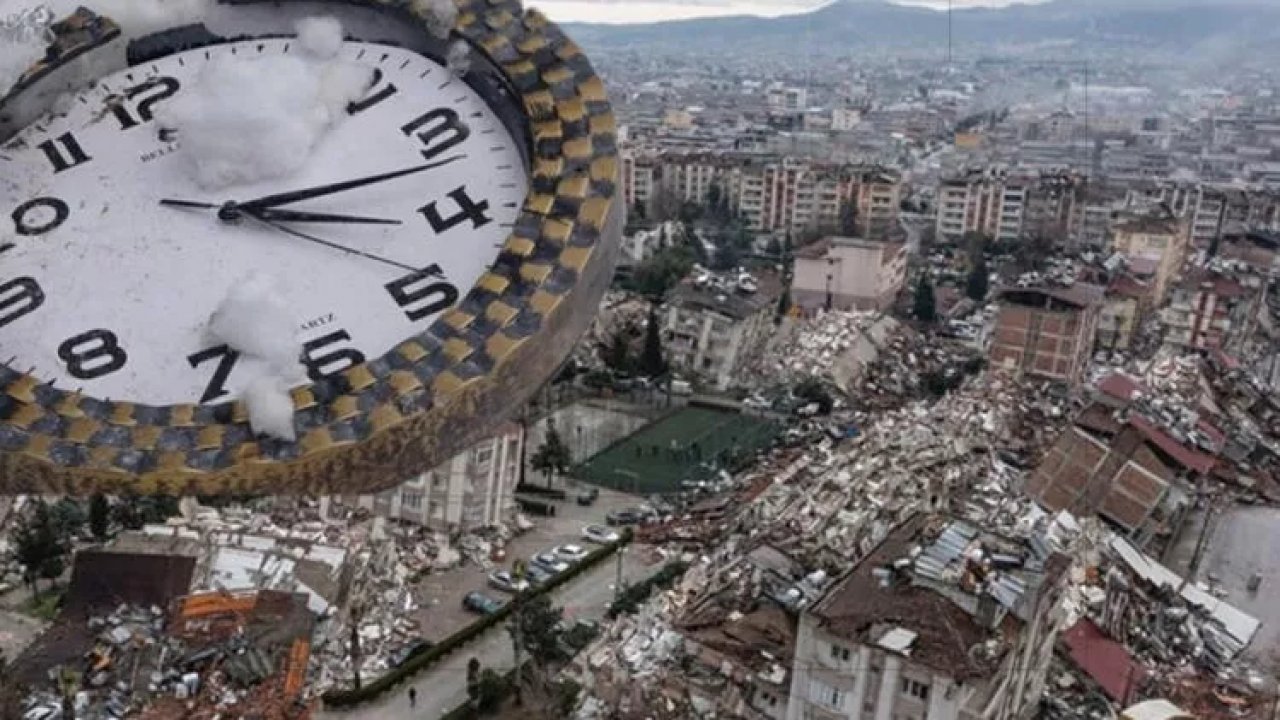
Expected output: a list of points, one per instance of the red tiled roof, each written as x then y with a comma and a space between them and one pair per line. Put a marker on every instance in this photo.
1130, 287
1188, 458
1120, 386
1105, 660
1216, 436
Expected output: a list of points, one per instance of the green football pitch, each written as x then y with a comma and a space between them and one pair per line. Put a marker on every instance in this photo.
692, 444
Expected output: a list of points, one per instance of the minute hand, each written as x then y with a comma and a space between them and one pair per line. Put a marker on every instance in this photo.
288, 198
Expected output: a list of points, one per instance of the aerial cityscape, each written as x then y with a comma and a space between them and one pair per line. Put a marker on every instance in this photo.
937, 378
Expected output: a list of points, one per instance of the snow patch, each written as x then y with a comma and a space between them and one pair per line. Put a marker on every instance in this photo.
270, 407
251, 119
320, 37
254, 320
459, 58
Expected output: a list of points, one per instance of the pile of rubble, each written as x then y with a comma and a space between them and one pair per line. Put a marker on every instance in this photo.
210, 657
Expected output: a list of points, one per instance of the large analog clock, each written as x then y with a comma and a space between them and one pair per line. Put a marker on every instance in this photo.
437, 251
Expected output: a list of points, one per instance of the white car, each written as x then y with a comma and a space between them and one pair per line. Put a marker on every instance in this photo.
600, 534
506, 582
572, 553
550, 562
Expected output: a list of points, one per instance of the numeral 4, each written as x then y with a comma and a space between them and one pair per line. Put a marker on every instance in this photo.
468, 209
423, 293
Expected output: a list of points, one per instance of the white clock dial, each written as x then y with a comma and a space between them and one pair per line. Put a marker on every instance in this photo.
103, 289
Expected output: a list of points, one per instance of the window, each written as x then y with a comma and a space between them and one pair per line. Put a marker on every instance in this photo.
824, 694
839, 653
412, 500
917, 690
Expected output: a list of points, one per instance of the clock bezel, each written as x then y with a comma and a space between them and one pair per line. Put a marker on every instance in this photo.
377, 424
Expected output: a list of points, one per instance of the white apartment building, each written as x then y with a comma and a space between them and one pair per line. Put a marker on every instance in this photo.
848, 273
988, 202
474, 489
713, 330
949, 634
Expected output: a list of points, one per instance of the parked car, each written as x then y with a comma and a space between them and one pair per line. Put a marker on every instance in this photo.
599, 534
572, 553
549, 561
480, 603
506, 582
410, 650
537, 574
628, 516
588, 497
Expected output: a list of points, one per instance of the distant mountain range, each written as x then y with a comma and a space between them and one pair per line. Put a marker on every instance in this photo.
1179, 25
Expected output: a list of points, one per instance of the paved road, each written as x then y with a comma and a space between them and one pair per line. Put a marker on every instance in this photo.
444, 686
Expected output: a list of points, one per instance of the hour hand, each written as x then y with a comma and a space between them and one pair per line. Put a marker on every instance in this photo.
311, 217
233, 211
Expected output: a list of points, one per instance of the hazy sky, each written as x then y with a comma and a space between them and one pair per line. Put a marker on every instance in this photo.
633, 11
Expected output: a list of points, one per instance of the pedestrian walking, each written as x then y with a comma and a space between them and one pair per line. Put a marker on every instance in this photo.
413, 697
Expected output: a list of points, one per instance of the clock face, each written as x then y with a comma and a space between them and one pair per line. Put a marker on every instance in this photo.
104, 290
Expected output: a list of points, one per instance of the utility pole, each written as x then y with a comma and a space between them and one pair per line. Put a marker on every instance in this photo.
949, 34
617, 582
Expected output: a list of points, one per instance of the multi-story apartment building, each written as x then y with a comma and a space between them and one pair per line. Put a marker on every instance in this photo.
1207, 309
875, 194
1154, 234
775, 195
989, 201
474, 489
713, 327
1046, 332
929, 626
847, 273
639, 178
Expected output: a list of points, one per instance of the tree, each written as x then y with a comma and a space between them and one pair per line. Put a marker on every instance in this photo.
539, 634
727, 257
784, 305
925, 305
979, 280
491, 690
38, 545
975, 245
99, 516
661, 271
849, 220
553, 457
773, 247
473, 680
617, 353
68, 518
652, 363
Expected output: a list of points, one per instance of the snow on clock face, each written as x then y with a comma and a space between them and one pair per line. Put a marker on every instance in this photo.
105, 289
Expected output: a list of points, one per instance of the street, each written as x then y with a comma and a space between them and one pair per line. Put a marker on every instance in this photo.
444, 686
441, 593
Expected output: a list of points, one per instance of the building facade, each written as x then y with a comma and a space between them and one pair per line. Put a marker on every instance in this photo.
1046, 332
848, 273
474, 489
713, 328
1155, 235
